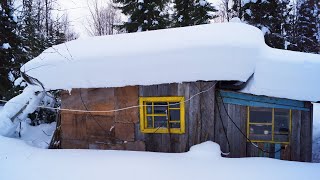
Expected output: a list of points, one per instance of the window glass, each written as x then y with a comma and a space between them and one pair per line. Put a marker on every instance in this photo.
281, 125
160, 121
281, 121
149, 122
260, 115
174, 115
261, 132
160, 107
149, 107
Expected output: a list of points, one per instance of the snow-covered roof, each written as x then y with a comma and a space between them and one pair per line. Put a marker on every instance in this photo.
286, 74
224, 51
209, 52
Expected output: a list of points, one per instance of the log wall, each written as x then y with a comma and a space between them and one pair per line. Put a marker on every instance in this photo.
121, 130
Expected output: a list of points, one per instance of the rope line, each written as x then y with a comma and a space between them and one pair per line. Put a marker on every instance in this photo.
113, 110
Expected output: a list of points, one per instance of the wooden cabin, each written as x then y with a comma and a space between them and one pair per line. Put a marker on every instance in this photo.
182, 87
271, 123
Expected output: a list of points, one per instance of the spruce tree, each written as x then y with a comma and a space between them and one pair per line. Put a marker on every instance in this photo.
193, 12
183, 17
33, 41
12, 53
144, 15
271, 17
203, 12
307, 39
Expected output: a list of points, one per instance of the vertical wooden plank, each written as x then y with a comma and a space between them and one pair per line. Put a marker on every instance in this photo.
285, 152
278, 154
295, 135
220, 137
194, 126
126, 97
306, 137
252, 151
261, 146
234, 134
207, 105
272, 149
184, 90
243, 127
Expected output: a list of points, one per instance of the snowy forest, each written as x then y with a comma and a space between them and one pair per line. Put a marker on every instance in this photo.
102, 93
28, 27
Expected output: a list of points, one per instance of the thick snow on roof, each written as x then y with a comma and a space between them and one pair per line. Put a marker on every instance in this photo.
287, 74
225, 51
203, 162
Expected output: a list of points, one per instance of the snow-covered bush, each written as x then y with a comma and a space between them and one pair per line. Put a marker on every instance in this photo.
25, 107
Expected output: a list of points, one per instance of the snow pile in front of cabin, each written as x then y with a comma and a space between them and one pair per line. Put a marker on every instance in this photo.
20, 161
316, 133
37, 136
226, 51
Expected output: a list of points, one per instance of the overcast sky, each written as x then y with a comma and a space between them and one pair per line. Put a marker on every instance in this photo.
78, 13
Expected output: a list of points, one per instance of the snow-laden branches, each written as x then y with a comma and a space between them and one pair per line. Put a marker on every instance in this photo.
18, 108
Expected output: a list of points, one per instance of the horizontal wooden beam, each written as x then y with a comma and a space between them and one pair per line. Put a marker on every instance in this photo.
230, 97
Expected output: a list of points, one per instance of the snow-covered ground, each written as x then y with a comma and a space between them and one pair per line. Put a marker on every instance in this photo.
37, 136
316, 133
203, 162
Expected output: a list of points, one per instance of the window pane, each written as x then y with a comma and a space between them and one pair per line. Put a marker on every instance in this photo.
174, 115
149, 107
160, 108
174, 104
149, 122
175, 125
160, 121
281, 125
260, 132
260, 115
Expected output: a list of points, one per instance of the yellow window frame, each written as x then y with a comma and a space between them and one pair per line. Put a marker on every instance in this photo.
272, 141
143, 114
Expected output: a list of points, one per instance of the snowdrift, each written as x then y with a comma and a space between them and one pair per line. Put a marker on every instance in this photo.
201, 162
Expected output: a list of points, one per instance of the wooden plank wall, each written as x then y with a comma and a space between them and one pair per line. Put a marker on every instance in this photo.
121, 130
113, 130
237, 140
199, 116
299, 149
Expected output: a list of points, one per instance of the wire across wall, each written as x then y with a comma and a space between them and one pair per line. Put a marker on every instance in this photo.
187, 100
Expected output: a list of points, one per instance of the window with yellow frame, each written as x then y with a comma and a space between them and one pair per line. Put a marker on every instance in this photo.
269, 125
162, 115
